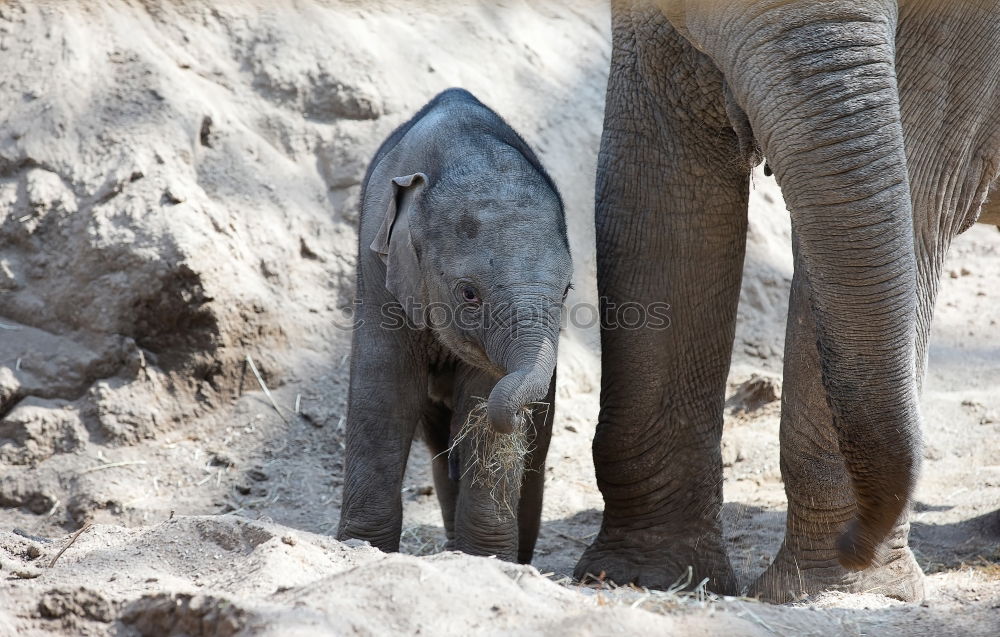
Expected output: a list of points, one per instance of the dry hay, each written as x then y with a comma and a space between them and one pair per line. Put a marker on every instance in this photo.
497, 460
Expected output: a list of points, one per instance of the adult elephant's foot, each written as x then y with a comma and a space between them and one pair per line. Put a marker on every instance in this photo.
792, 576
658, 561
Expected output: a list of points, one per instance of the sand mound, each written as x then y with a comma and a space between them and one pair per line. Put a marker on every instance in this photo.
178, 192
224, 575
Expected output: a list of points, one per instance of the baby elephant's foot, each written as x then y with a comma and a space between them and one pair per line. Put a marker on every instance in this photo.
502, 550
663, 565
791, 577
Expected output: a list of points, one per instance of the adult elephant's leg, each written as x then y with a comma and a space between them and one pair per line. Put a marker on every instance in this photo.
818, 486
672, 190
529, 511
947, 181
818, 84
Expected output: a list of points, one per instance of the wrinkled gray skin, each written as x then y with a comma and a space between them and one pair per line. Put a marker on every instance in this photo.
881, 125
454, 200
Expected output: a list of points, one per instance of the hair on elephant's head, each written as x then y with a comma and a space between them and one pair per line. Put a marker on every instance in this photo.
477, 252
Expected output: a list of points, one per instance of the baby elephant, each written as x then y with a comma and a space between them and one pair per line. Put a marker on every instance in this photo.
463, 265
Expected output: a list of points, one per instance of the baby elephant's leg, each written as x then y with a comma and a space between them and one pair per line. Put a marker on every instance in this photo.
489, 469
437, 422
529, 513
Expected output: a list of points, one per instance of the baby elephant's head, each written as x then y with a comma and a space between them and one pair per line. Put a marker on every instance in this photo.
478, 253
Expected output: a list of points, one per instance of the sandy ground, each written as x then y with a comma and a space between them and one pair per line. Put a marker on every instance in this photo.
178, 192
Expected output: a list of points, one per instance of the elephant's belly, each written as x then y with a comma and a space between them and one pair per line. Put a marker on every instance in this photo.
441, 386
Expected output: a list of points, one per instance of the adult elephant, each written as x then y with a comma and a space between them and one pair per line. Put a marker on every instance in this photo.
881, 124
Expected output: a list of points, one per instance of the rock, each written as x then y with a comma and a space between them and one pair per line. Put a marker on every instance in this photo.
184, 614
39, 503
81, 602
86, 503
27, 492
221, 459
125, 412
37, 429
754, 394
319, 413
731, 454
333, 99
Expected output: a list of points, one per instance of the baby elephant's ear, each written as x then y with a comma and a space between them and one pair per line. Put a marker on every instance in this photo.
394, 245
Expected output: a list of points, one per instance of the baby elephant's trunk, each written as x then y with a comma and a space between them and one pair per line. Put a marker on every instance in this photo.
530, 361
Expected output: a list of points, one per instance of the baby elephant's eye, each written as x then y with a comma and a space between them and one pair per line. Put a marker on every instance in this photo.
470, 295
